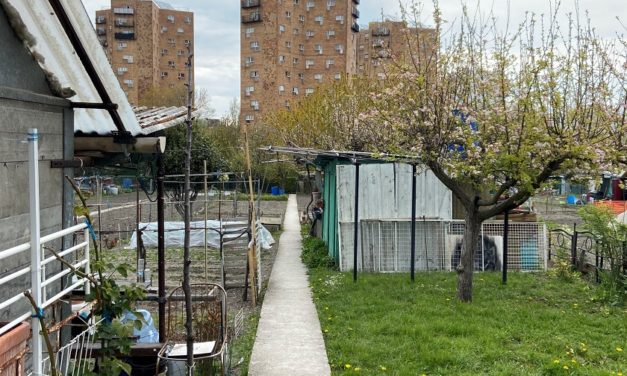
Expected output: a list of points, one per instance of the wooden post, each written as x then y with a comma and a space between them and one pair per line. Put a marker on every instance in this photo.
252, 257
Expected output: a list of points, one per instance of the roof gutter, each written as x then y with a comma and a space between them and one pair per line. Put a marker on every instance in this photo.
89, 66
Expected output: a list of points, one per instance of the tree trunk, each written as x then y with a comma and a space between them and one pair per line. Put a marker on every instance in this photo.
466, 265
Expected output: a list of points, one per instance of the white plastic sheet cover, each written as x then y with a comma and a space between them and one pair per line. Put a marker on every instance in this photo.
175, 232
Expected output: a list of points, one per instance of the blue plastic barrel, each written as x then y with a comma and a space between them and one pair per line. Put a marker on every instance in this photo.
281, 191
274, 191
529, 256
127, 183
571, 199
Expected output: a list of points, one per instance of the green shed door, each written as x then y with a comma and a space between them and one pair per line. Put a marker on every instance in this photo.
329, 228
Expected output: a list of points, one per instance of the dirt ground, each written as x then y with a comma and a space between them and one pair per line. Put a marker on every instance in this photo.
117, 221
553, 209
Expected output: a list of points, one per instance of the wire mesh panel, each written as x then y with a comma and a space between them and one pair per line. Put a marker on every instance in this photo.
527, 248
385, 245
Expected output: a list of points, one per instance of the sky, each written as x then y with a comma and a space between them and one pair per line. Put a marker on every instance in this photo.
217, 30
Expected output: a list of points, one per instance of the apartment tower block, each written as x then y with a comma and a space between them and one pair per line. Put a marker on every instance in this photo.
288, 47
147, 43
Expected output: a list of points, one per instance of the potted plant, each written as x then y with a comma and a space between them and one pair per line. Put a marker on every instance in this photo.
12, 349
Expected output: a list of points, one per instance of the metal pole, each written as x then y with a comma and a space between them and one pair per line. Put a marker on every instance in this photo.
573, 246
87, 265
205, 191
356, 224
161, 244
137, 232
186, 262
413, 222
35, 245
505, 245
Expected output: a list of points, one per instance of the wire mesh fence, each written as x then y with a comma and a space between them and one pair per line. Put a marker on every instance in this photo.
385, 245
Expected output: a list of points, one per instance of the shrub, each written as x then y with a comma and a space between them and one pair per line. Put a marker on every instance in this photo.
612, 246
315, 253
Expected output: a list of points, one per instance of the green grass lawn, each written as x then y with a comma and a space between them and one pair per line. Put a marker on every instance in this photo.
536, 325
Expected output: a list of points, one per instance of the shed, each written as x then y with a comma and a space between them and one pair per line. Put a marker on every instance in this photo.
384, 207
54, 77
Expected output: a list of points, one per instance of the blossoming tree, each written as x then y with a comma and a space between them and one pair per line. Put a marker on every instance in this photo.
494, 114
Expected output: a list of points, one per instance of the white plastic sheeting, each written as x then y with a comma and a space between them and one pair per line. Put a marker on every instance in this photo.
175, 233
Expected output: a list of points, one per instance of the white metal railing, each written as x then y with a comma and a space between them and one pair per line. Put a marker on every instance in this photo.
75, 357
40, 282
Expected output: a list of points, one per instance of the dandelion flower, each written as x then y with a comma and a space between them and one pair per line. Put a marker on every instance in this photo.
347, 366
326, 330
619, 349
556, 361
565, 366
574, 361
357, 369
382, 368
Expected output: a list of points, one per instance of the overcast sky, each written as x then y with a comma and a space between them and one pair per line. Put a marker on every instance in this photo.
217, 30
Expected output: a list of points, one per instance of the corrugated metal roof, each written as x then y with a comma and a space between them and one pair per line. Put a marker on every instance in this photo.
53, 50
155, 119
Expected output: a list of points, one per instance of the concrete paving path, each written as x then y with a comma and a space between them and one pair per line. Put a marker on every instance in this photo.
289, 340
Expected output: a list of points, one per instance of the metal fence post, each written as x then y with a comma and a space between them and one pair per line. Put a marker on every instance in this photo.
87, 265
625, 257
573, 247
505, 245
35, 245
550, 246
356, 229
412, 265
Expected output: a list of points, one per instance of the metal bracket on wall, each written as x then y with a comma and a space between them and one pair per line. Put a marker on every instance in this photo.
63, 163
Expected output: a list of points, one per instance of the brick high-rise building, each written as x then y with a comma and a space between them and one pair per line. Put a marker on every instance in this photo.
288, 47
384, 40
146, 42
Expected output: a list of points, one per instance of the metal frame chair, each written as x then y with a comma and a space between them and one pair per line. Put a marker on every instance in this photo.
209, 324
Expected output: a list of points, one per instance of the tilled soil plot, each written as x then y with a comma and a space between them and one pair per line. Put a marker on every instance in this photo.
118, 216
554, 209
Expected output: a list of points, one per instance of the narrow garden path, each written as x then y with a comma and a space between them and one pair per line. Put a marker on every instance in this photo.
289, 340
